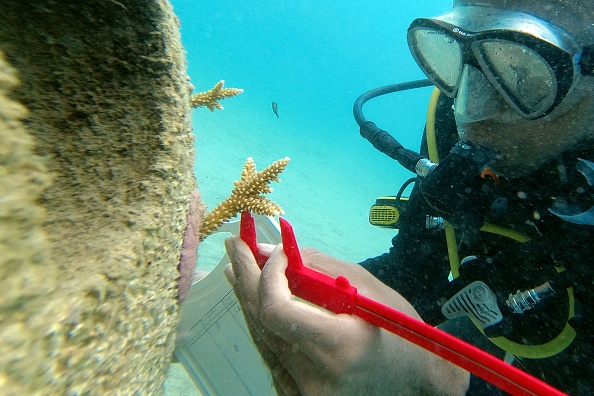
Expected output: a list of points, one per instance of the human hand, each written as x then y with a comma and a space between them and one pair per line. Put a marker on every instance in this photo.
312, 351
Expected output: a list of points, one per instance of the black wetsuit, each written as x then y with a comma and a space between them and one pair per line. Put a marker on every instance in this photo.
417, 265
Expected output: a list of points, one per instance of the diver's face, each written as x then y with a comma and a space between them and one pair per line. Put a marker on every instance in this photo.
483, 118
523, 145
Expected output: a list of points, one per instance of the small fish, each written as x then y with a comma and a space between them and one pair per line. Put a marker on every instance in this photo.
275, 109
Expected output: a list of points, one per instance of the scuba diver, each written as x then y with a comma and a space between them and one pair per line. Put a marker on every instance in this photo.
494, 243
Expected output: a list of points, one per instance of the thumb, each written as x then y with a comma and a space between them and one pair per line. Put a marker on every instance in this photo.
229, 275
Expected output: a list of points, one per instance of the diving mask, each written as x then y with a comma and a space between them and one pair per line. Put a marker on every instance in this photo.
531, 63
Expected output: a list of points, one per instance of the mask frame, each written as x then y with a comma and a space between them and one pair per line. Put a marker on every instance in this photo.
470, 27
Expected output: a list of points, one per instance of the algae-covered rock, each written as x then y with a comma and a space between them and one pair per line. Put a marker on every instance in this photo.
96, 171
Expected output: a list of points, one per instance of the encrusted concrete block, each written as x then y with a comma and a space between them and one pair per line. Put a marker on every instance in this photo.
96, 172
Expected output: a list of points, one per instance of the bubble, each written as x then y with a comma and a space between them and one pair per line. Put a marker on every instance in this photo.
536, 215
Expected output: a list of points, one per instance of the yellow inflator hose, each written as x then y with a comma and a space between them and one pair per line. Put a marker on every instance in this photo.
434, 157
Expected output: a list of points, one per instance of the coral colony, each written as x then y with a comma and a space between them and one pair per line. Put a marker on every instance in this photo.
246, 196
211, 97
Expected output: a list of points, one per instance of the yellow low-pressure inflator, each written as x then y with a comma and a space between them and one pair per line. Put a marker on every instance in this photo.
386, 211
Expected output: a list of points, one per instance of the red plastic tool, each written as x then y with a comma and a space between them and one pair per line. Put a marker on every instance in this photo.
337, 295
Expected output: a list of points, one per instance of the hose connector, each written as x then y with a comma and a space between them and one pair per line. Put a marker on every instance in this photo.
523, 301
434, 223
424, 167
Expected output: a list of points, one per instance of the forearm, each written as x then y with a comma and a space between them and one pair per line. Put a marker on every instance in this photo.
391, 365
416, 371
398, 369
446, 378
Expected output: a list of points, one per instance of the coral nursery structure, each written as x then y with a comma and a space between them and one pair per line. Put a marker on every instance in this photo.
211, 97
96, 176
246, 196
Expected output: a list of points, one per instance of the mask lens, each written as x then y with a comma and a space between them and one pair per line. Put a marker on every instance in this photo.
523, 76
440, 57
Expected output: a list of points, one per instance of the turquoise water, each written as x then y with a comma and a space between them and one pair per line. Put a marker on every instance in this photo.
314, 59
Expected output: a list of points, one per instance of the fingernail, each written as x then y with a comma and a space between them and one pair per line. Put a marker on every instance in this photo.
230, 275
230, 247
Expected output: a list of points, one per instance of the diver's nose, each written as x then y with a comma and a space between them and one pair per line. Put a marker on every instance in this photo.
477, 99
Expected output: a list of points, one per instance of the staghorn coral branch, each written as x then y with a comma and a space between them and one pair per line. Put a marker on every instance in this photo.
246, 196
249, 169
211, 97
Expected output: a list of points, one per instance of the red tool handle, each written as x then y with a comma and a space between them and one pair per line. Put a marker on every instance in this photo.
247, 232
478, 362
337, 295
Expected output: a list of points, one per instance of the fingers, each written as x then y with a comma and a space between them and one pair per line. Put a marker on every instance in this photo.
270, 347
266, 248
366, 284
305, 339
245, 271
233, 245
274, 282
229, 275
330, 265
287, 364
317, 333
243, 274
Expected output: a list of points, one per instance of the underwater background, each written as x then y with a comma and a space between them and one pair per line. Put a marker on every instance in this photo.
313, 59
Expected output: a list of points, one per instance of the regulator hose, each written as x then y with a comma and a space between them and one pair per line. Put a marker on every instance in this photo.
380, 139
